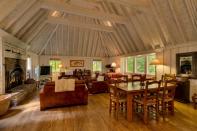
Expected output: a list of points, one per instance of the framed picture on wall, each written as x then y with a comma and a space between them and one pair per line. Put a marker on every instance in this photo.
76, 63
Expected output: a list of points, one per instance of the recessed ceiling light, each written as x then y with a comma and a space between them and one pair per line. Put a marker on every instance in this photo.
55, 13
108, 23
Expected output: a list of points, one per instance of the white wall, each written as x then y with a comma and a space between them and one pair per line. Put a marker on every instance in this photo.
34, 63
44, 60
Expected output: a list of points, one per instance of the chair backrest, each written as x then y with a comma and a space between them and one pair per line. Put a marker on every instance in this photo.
147, 92
139, 77
168, 77
113, 91
169, 88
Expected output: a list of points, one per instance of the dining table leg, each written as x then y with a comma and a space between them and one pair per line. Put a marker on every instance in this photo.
129, 107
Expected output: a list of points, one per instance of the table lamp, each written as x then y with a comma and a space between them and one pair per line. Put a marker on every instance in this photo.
113, 65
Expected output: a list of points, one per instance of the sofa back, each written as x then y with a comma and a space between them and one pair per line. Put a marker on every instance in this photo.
50, 87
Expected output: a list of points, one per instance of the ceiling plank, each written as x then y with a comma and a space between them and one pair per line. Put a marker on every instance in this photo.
103, 45
36, 32
39, 18
26, 17
76, 10
94, 44
177, 21
115, 43
96, 27
130, 3
20, 13
47, 42
8, 8
12, 39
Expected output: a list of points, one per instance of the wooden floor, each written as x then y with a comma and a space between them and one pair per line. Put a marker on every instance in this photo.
93, 117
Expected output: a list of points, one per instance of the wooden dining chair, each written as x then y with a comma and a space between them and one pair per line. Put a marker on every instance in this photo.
118, 101
149, 99
168, 77
166, 97
139, 78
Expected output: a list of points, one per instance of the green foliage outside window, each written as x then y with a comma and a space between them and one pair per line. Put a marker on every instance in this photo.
151, 68
140, 64
55, 65
97, 66
130, 63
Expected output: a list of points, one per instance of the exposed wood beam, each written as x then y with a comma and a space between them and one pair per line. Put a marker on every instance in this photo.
191, 12
177, 21
20, 13
63, 21
95, 42
130, 3
40, 17
8, 7
36, 32
76, 10
26, 17
109, 46
104, 47
47, 42
162, 23
12, 39
86, 4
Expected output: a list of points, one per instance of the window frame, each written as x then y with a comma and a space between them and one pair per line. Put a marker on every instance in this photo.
133, 70
146, 64
57, 68
101, 65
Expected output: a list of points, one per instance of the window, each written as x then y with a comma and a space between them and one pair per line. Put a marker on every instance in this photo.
151, 68
122, 65
140, 64
97, 65
130, 63
29, 64
55, 65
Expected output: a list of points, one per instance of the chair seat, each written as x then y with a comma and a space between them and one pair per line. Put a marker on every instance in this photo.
165, 99
120, 99
149, 101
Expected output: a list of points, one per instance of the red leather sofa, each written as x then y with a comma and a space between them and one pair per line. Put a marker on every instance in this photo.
115, 77
98, 87
49, 98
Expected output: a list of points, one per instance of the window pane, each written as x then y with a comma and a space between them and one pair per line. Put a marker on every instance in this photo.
97, 66
151, 68
140, 64
130, 63
55, 65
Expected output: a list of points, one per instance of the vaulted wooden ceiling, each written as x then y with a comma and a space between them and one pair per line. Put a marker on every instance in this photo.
99, 27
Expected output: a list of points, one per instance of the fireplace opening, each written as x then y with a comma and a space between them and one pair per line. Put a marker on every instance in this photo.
16, 76
15, 72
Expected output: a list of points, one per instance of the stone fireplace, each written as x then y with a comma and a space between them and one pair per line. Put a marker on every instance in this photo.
15, 72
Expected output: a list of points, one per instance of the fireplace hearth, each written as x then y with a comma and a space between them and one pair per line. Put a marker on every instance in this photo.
14, 72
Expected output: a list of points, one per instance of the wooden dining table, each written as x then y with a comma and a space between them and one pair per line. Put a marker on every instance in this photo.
131, 90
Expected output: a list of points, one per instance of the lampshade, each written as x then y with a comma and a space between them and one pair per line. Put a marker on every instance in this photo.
155, 62
113, 64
